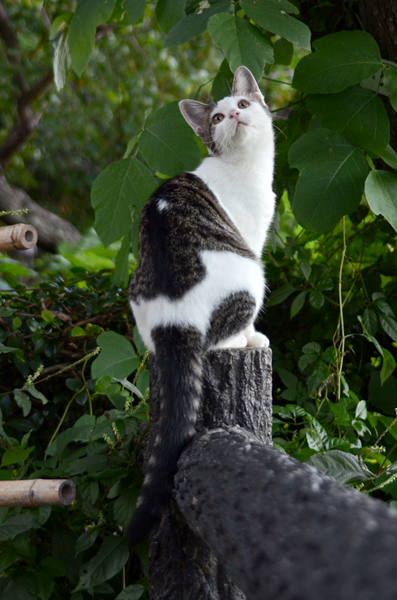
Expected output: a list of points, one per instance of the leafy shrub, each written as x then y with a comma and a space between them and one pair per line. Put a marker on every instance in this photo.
72, 414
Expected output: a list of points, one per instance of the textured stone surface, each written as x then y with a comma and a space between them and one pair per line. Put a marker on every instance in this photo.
237, 390
282, 529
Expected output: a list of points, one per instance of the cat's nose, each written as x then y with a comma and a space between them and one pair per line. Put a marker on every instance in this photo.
234, 114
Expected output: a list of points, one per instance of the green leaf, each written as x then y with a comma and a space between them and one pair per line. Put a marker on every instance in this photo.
5, 349
131, 592
223, 82
121, 272
305, 268
390, 157
134, 10
390, 83
111, 558
241, 42
272, 16
89, 14
23, 401
316, 299
117, 357
15, 455
125, 505
34, 519
195, 23
388, 366
169, 13
283, 52
381, 193
361, 410
168, 143
342, 466
342, 59
370, 320
357, 113
23, 586
297, 304
332, 177
383, 397
289, 379
389, 324
59, 23
118, 190
36, 394
129, 386
280, 294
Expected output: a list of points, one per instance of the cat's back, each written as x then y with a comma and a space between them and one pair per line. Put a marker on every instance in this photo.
181, 219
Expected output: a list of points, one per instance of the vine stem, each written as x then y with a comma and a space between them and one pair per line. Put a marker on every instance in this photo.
341, 349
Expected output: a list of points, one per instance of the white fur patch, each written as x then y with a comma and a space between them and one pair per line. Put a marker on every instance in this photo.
241, 177
162, 205
227, 273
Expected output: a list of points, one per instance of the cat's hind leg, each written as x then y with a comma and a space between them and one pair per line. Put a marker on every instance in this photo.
255, 338
229, 321
236, 341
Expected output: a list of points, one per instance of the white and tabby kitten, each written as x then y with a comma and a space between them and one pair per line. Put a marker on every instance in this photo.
199, 283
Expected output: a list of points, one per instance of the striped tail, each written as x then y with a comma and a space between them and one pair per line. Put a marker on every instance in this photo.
179, 367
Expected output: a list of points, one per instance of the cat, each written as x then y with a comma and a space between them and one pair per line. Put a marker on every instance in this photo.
199, 283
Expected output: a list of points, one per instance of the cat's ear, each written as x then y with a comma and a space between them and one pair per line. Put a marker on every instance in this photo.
196, 115
244, 84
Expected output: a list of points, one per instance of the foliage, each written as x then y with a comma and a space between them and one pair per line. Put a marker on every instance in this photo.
331, 266
72, 414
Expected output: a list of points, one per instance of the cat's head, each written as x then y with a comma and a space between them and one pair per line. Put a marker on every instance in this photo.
239, 119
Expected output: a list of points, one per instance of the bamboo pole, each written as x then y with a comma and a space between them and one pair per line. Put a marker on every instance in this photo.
37, 492
17, 237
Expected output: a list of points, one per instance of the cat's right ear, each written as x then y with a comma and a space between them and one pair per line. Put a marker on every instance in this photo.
196, 115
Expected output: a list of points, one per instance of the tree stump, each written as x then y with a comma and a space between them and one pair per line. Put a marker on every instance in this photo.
237, 391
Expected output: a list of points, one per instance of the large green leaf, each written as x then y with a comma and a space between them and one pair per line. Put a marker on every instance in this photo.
169, 13
222, 84
111, 558
195, 23
342, 59
134, 9
24, 522
117, 357
119, 189
168, 143
342, 466
81, 39
381, 193
390, 83
357, 113
332, 177
132, 592
241, 42
273, 16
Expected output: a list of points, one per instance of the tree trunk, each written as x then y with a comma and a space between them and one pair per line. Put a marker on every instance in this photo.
379, 18
282, 529
236, 391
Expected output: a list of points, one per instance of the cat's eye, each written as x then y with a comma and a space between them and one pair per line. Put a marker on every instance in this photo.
217, 118
243, 104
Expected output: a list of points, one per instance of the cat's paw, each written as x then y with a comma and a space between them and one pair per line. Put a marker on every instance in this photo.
236, 341
258, 340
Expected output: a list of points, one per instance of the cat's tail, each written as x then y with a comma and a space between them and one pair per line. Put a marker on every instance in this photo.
179, 370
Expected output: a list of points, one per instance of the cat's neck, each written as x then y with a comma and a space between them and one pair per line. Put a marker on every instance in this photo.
242, 182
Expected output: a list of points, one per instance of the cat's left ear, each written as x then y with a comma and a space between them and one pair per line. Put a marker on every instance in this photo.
196, 115
244, 84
